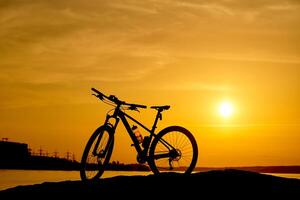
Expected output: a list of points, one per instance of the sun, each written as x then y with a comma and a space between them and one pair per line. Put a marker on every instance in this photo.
226, 109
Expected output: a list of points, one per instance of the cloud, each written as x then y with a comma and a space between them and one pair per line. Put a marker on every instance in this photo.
213, 8
45, 43
196, 86
133, 7
62, 41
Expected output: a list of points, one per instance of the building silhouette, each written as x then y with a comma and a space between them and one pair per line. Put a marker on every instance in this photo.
13, 153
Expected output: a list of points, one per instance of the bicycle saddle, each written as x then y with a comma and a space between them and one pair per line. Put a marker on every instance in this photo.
161, 107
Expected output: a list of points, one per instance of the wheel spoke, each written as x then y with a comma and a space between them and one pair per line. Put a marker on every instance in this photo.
182, 155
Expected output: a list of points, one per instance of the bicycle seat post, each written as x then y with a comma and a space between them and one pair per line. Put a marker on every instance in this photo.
158, 116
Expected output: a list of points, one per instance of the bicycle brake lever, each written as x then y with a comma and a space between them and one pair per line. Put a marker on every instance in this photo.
133, 108
98, 96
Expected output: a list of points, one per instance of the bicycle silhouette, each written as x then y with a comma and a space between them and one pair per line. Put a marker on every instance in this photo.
172, 149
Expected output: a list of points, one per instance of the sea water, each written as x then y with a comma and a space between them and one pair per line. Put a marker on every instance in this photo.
13, 178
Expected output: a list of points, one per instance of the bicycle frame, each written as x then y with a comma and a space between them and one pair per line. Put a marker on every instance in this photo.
119, 114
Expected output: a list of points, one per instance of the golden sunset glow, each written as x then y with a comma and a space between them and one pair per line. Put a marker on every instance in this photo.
226, 109
186, 54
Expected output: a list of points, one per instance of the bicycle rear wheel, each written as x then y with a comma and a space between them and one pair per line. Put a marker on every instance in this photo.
173, 150
97, 153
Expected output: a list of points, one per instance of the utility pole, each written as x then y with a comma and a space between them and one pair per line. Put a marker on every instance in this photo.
41, 151
55, 154
68, 155
30, 152
73, 157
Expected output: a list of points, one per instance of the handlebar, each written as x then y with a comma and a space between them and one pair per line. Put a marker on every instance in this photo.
115, 100
99, 94
136, 105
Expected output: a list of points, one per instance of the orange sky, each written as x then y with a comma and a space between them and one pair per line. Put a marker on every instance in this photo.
190, 54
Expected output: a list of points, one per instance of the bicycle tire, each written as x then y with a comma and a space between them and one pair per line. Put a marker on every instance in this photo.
185, 138
100, 167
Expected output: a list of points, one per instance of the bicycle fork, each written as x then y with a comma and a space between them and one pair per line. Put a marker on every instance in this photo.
102, 152
110, 130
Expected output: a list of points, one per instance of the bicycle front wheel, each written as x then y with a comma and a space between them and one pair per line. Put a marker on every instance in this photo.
174, 149
97, 153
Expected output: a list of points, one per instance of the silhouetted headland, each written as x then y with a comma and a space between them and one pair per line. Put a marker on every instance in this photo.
221, 183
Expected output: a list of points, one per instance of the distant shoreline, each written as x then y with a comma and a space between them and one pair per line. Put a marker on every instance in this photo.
76, 167
17, 156
128, 167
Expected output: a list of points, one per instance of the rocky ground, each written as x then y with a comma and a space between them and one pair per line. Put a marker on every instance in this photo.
204, 185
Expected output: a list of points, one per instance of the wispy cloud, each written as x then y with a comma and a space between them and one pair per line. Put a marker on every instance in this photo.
115, 41
242, 125
134, 7
196, 86
211, 7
